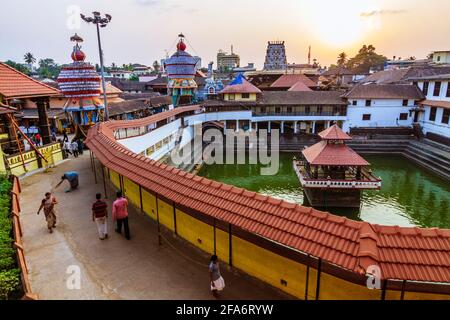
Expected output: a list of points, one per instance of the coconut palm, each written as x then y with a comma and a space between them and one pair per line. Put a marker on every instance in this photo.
30, 59
342, 59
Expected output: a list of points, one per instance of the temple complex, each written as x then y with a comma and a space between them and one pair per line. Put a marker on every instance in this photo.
332, 174
275, 56
180, 68
80, 83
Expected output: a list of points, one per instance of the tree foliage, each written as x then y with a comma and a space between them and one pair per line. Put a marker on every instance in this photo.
366, 59
18, 66
48, 68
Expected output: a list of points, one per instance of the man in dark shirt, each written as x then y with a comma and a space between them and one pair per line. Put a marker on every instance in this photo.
99, 215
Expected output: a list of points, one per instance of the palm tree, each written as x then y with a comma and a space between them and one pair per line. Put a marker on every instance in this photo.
342, 59
156, 66
30, 59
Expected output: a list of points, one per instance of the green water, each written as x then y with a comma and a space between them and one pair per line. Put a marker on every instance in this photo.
409, 196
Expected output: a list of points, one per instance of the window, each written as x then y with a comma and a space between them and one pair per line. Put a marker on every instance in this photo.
366, 117
263, 109
437, 89
277, 110
354, 102
433, 111
403, 116
425, 88
415, 83
289, 109
368, 103
405, 103
445, 116
448, 90
438, 58
319, 109
307, 109
231, 96
245, 95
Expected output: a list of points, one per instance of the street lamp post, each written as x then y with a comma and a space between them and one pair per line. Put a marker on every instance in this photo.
100, 22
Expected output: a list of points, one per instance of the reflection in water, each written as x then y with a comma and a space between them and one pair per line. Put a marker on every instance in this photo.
410, 196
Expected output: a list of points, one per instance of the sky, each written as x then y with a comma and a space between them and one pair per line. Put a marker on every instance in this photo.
142, 30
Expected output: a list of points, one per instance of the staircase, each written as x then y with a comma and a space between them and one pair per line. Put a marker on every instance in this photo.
430, 155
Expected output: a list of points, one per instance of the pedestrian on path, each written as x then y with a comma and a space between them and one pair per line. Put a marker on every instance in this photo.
65, 137
120, 214
99, 215
72, 177
48, 204
217, 282
74, 148
80, 146
67, 148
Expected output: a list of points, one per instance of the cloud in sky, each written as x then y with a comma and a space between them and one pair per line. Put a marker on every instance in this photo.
148, 2
381, 12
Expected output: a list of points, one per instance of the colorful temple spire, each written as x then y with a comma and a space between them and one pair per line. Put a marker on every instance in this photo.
180, 68
80, 83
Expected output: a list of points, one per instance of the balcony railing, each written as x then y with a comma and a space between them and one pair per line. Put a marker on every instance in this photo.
368, 182
300, 114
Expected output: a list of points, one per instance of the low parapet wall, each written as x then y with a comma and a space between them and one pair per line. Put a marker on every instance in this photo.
304, 252
17, 230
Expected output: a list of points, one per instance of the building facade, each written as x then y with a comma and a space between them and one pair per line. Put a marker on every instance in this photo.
227, 62
275, 56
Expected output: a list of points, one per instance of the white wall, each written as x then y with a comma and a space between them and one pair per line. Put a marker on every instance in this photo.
384, 113
443, 93
436, 126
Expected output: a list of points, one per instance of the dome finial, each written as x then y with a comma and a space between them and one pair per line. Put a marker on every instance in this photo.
181, 46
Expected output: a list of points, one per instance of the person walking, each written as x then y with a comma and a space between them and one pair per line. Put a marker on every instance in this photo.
120, 214
74, 148
65, 137
38, 139
72, 177
48, 204
67, 148
80, 146
99, 215
217, 282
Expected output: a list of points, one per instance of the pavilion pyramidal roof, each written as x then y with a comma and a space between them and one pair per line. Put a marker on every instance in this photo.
334, 133
240, 85
333, 154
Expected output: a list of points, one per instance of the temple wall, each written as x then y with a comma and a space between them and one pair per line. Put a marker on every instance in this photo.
254, 258
31, 162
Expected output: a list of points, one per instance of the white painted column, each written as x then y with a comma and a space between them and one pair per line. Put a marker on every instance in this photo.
269, 127
328, 124
313, 127
295, 126
237, 125
225, 126
256, 126
250, 126
282, 127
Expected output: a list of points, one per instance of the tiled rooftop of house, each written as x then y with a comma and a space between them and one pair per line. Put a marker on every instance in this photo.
14, 84
402, 253
385, 91
288, 80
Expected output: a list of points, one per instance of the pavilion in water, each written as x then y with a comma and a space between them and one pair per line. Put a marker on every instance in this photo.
332, 174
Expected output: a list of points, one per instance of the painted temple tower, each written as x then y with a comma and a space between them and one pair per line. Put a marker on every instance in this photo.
332, 174
80, 84
180, 68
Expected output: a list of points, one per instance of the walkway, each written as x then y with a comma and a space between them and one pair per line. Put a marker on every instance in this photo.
114, 268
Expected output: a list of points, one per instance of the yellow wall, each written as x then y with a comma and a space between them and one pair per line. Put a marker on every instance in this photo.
335, 288
425, 296
222, 245
196, 232
149, 204
165, 214
238, 97
269, 267
131, 191
52, 153
114, 177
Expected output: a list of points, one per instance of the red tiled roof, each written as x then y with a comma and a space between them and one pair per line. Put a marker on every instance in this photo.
328, 154
435, 103
14, 84
334, 133
409, 254
245, 87
288, 80
299, 86
385, 91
